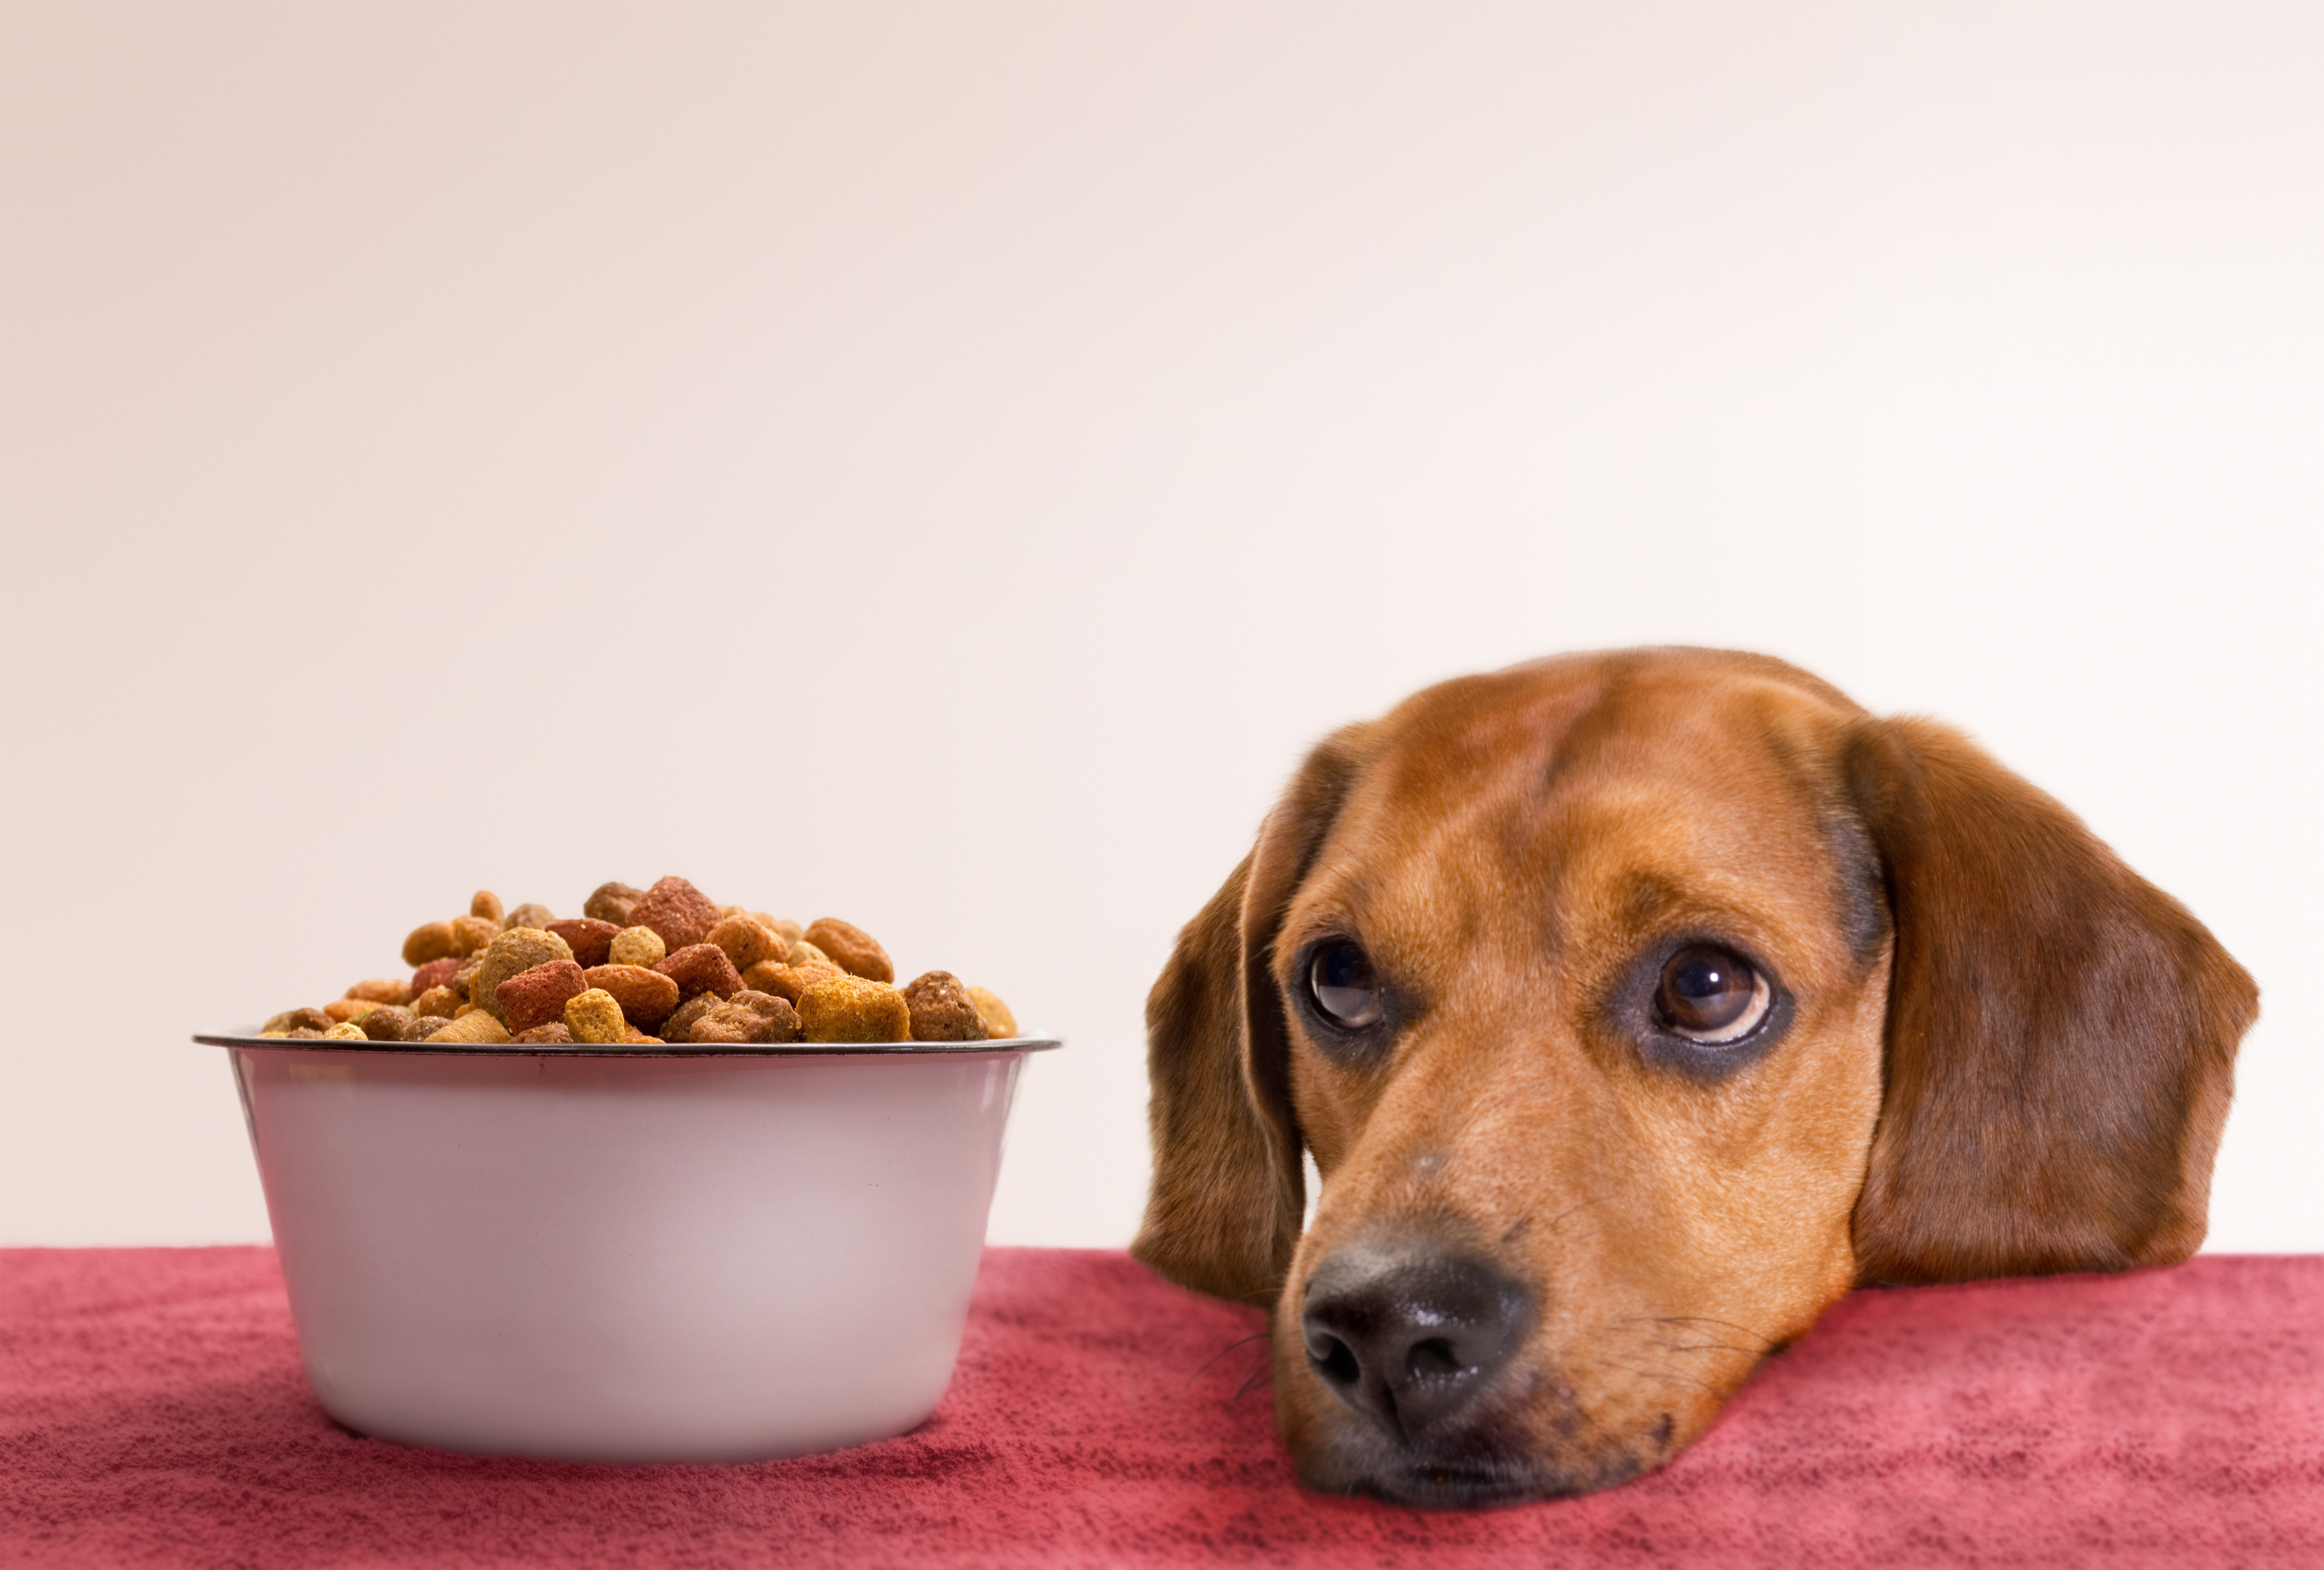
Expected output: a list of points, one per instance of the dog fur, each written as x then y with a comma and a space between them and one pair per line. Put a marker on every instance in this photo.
1991, 1049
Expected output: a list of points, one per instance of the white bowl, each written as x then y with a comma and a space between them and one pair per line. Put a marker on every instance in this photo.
623, 1255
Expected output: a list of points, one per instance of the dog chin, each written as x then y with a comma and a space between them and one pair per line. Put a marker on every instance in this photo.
1477, 1470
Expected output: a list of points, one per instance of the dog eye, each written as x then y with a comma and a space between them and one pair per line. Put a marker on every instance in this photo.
1712, 995
1340, 978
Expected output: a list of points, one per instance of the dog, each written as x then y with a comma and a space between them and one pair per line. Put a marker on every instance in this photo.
1635, 1007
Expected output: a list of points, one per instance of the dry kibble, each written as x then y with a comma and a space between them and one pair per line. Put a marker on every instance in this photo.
745, 942
679, 1026
432, 941
590, 939
553, 1033
382, 991
473, 934
802, 952
387, 1022
435, 973
702, 967
747, 1018
465, 1010
612, 901
999, 1022
635, 1037
646, 996
791, 981
594, 1018
537, 995
637, 946
474, 1029
760, 978
536, 916
788, 931
854, 1008
343, 1009
464, 979
941, 1010
436, 1003
306, 1033
292, 1019
517, 950
485, 903
346, 1031
852, 948
424, 1026
676, 910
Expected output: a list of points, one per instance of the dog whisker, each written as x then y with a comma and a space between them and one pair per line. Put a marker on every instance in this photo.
1221, 1351
1660, 1374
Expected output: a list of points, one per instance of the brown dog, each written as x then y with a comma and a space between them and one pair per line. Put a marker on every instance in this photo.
1636, 1007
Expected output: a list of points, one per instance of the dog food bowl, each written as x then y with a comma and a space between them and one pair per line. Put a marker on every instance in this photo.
611, 1254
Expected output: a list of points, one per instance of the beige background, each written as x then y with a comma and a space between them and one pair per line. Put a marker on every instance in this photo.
940, 464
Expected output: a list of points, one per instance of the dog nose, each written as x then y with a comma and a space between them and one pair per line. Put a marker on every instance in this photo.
1407, 1336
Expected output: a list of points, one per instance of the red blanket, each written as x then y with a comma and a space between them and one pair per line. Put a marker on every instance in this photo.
152, 1412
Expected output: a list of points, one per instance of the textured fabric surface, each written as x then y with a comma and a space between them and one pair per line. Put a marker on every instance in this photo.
152, 1412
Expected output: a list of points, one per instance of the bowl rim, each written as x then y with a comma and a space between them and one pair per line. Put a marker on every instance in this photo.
253, 1041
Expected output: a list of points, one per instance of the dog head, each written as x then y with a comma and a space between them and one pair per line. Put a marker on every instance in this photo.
1634, 1007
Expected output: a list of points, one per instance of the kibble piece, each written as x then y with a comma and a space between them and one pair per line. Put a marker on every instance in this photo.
474, 1029
381, 991
432, 941
787, 930
747, 1018
591, 941
746, 942
941, 1010
999, 1022
306, 1033
424, 1026
637, 946
464, 979
435, 973
646, 996
343, 1009
676, 910
473, 934
436, 1003
485, 903
517, 950
702, 967
854, 1008
552, 1033
634, 1037
346, 1031
594, 1018
760, 978
793, 980
679, 1026
292, 1019
611, 903
803, 952
537, 995
387, 1022
852, 948
536, 916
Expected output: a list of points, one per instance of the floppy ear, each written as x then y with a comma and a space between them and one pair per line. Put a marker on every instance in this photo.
2061, 1035
1225, 1213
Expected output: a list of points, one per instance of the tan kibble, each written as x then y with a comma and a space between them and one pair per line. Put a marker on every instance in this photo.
436, 1002
789, 931
474, 1029
528, 916
346, 1031
485, 903
802, 952
747, 1019
594, 1018
646, 996
638, 946
517, 950
852, 948
999, 1022
761, 976
432, 941
790, 980
381, 991
424, 1026
745, 942
292, 1019
612, 901
343, 1009
473, 934
854, 1008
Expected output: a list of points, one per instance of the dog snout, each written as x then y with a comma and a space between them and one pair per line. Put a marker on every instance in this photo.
1408, 1335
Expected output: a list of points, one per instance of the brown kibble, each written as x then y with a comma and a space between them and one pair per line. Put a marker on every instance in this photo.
679, 1026
637, 946
590, 939
760, 978
424, 1026
436, 1002
787, 930
432, 941
802, 952
306, 1033
342, 1009
536, 916
646, 995
676, 910
464, 979
346, 1031
387, 1022
553, 1033
474, 1029
633, 1036
519, 949
612, 901
292, 1019
1000, 1025
747, 1018
487, 904
594, 1018
381, 991
941, 1010
852, 948
534, 997
473, 934
745, 942
854, 1008
435, 973
465, 1010
791, 981
702, 967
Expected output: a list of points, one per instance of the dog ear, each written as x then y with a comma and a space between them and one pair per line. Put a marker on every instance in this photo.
2061, 1033
1229, 1196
